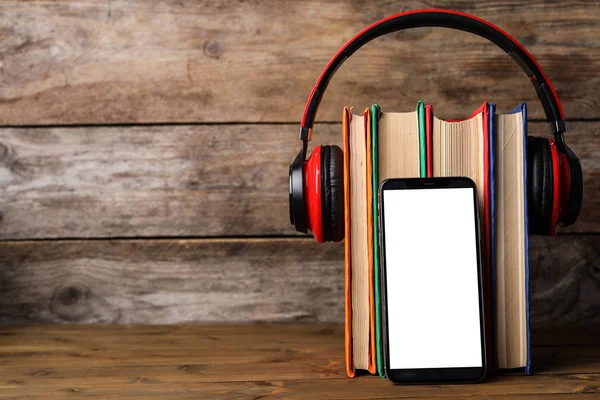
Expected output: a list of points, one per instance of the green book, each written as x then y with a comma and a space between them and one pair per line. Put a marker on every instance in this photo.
422, 141
403, 154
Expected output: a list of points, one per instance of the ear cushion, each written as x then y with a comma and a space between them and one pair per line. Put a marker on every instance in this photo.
540, 191
298, 217
332, 190
325, 193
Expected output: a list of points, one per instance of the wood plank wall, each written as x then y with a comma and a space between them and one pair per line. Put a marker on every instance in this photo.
144, 148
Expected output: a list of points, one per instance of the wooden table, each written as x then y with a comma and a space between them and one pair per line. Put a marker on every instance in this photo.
252, 361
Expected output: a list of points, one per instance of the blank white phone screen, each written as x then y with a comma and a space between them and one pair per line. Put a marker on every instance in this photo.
431, 274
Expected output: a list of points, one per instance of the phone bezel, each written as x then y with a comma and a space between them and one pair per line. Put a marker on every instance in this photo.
430, 375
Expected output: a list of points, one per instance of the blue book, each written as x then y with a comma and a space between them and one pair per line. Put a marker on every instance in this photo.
509, 227
492, 174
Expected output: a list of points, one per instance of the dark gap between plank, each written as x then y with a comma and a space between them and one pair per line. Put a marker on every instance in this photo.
202, 238
217, 123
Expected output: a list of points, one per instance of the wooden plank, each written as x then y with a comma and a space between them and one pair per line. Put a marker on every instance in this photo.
564, 280
284, 280
232, 361
160, 382
316, 362
208, 353
225, 180
168, 281
585, 336
292, 351
146, 393
74, 62
563, 359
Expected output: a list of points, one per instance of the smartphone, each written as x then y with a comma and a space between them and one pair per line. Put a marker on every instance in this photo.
431, 276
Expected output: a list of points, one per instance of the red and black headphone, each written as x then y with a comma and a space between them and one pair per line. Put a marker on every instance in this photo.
553, 170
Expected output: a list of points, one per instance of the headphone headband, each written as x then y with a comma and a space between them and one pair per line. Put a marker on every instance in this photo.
446, 19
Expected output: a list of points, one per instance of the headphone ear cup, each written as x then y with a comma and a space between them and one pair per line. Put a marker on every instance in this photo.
332, 190
541, 185
297, 199
575, 188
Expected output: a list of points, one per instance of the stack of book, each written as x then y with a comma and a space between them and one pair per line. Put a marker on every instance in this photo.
487, 147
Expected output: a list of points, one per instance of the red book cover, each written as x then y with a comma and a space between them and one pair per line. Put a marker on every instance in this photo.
429, 139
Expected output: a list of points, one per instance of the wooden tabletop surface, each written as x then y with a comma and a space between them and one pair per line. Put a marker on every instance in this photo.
254, 362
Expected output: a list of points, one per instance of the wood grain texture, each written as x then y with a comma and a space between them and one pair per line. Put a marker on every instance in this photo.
564, 279
245, 361
79, 62
219, 280
146, 181
225, 180
153, 385
169, 281
295, 350
563, 335
238, 63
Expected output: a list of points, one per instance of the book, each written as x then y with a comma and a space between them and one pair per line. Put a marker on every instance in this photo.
510, 229
359, 292
490, 149
401, 144
400, 136
486, 147
461, 148
493, 362
375, 113
429, 140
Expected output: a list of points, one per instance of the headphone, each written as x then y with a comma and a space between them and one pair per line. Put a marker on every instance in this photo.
554, 193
